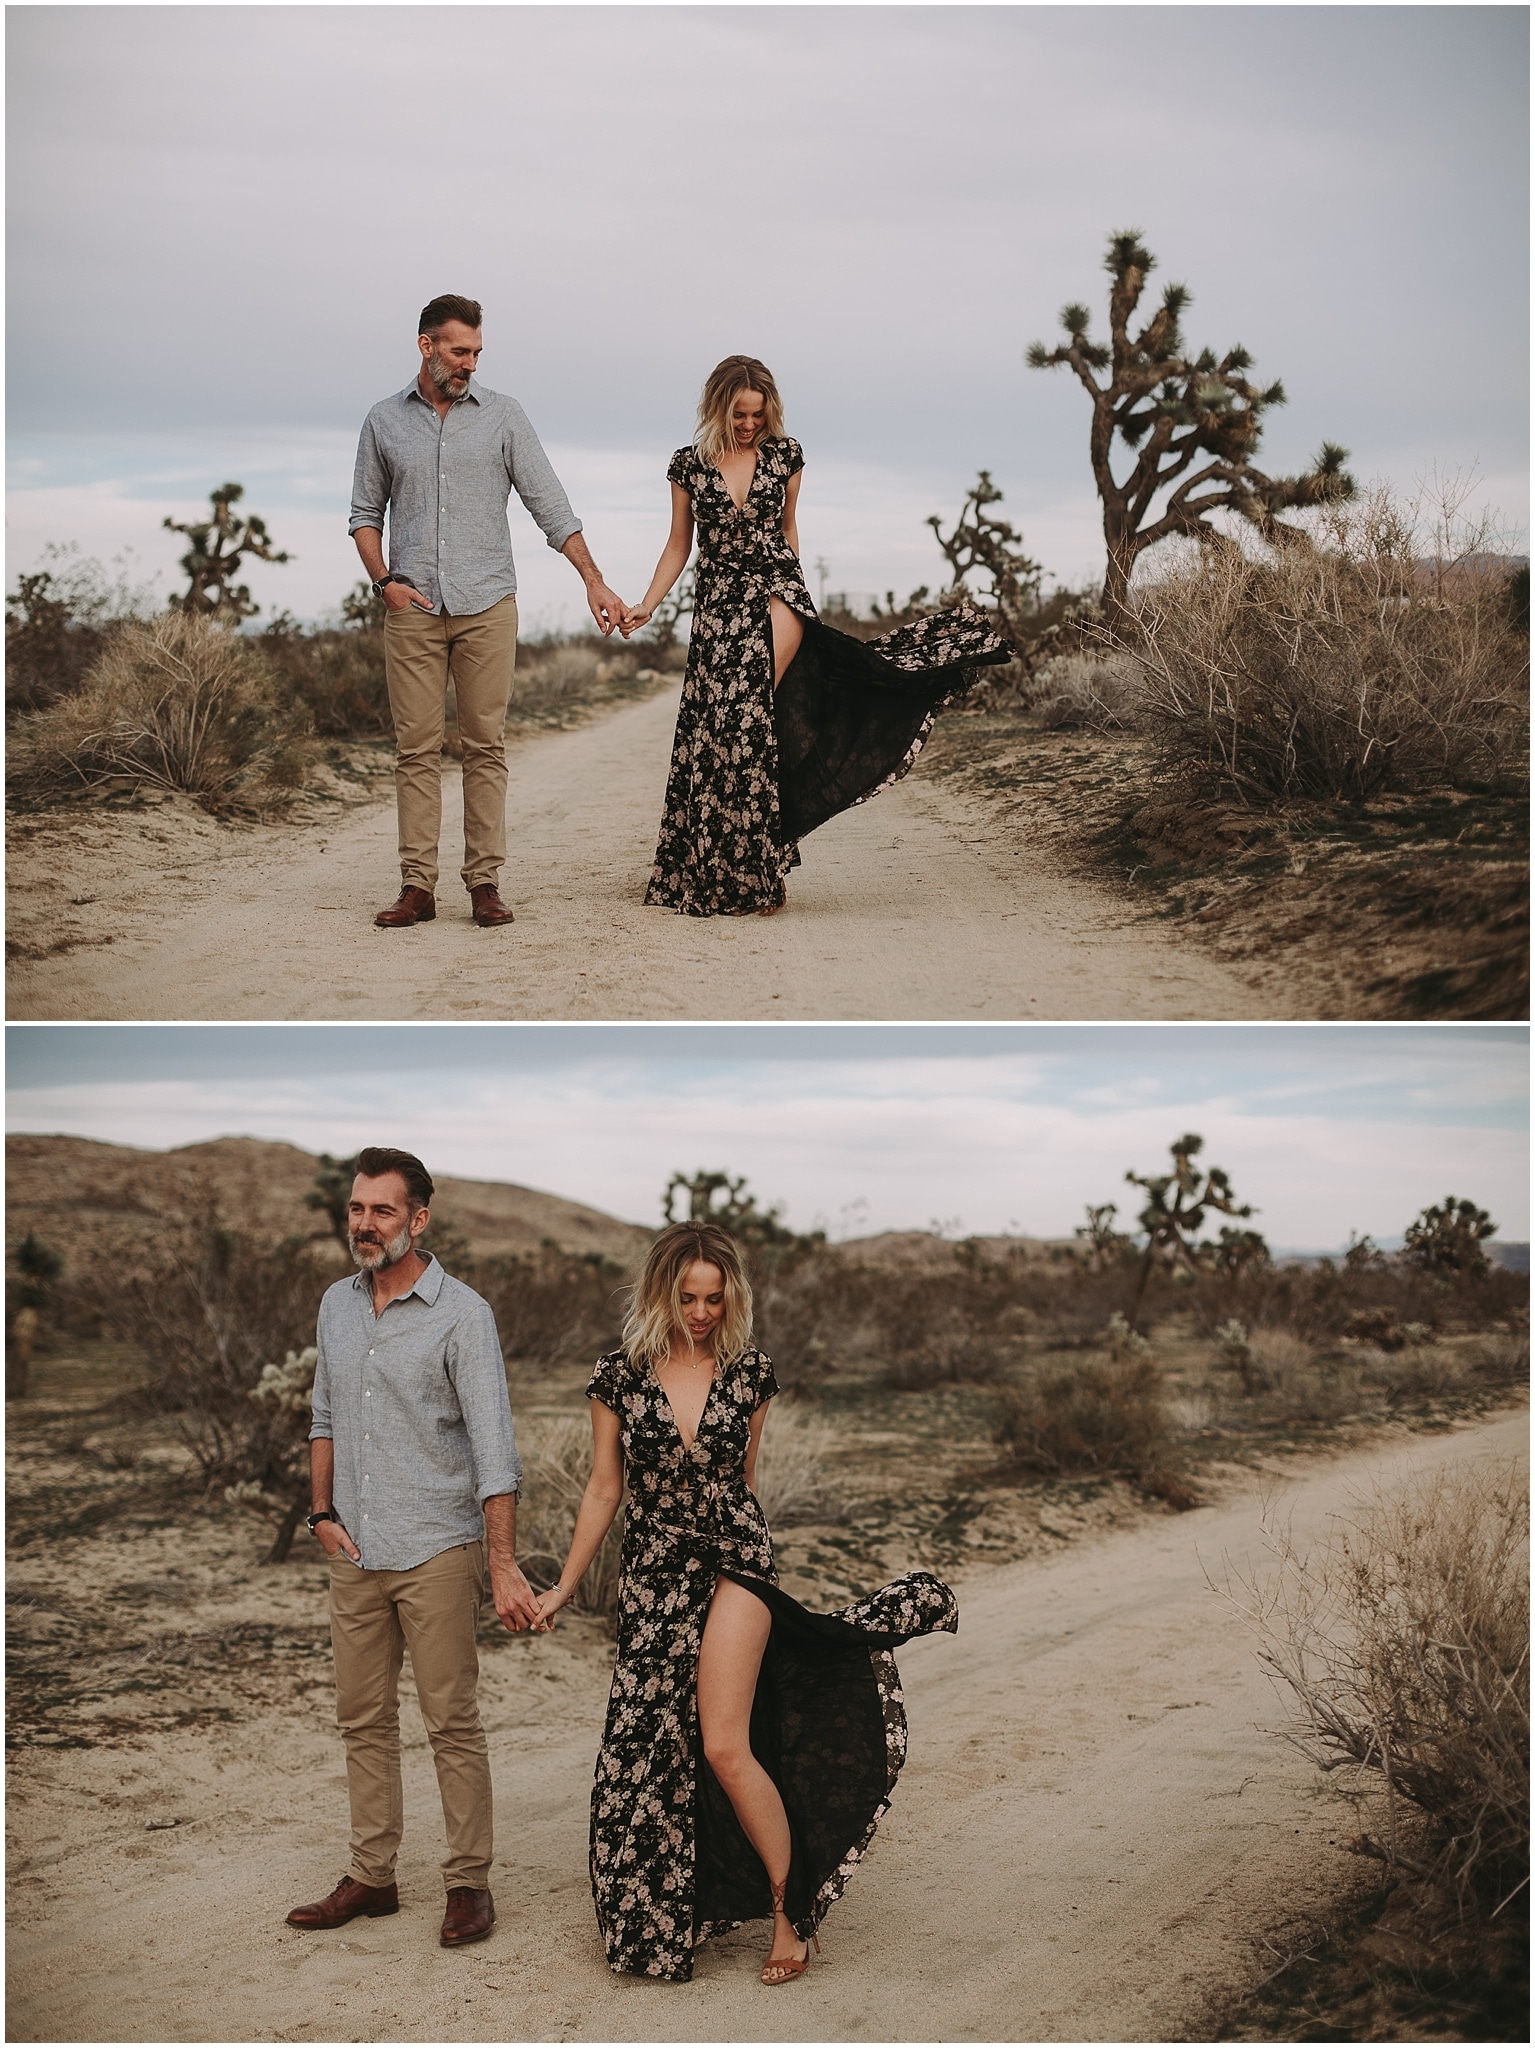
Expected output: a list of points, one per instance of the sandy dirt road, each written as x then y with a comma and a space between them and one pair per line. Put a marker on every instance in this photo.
1091, 1834
912, 906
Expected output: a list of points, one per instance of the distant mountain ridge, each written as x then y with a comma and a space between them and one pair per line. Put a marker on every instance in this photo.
74, 1191
71, 1191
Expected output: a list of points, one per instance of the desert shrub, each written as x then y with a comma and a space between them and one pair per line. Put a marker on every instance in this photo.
210, 1309
1402, 1641
335, 677
1099, 692
1105, 1416
1335, 668
551, 1306
1501, 1358
1376, 1302
59, 618
794, 1481
557, 1462
177, 704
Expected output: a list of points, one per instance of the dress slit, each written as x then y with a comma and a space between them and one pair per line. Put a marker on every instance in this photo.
751, 771
670, 1863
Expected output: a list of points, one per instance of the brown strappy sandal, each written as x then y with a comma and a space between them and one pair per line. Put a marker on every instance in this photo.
787, 1968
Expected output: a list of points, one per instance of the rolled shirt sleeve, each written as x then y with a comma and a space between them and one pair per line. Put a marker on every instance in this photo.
319, 1398
370, 482
479, 1379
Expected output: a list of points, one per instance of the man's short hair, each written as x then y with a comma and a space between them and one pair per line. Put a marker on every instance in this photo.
437, 312
376, 1160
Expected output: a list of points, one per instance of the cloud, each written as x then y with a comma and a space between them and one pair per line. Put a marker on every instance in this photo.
900, 204
912, 1140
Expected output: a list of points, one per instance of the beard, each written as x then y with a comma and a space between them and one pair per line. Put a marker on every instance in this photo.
373, 1254
446, 378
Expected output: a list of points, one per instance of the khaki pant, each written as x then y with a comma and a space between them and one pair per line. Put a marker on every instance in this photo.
420, 649
375, 1617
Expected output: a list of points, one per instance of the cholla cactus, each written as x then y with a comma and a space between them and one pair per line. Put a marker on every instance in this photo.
286, 1389
1123, 1342
289, 1387
1235, 1349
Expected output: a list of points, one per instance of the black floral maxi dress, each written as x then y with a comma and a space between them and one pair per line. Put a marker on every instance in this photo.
670, 1863
754, 770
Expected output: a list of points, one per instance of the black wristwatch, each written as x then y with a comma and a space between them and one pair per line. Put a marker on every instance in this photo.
379, 586
324, 1515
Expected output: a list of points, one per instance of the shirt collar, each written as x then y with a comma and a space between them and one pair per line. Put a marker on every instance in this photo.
413, 390
428, 1286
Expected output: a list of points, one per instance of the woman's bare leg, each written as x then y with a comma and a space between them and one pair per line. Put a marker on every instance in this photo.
787, 635
735, 1636
788, 631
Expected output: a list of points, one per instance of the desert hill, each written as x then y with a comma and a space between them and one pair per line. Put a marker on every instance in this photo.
77, 1191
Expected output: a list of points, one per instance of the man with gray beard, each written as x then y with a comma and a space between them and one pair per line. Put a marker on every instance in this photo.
442, 458
414, 1477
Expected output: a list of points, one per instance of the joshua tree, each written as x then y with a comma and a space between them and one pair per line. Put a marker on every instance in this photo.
1175, 1212
1183, 408
761, 1230
218, 546
332, 1191
671, 611
983, 544
362, 606
1102, 1243
1447, 1238
39, 1266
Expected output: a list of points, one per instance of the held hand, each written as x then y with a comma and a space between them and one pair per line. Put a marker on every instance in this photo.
399, 597
331, 1537
549, 1605
516, 1602
607, 607
634, 617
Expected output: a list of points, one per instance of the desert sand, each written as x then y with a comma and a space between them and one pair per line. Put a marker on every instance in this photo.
916, 905
1094, 1831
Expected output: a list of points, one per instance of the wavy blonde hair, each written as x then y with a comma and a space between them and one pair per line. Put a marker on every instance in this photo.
655, 1307
727, 380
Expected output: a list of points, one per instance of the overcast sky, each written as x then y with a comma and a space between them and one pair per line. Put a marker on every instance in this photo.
224, 221
979, 1128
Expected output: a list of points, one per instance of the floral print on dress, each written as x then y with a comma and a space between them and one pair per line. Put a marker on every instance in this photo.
750, 771
690, 1518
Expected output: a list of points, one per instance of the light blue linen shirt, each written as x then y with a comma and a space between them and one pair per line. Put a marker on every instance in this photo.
415, 1402
445, 482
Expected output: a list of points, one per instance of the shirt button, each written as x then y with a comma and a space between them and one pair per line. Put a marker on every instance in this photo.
370, 1352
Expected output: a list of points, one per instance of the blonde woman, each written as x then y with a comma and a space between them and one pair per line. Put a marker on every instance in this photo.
783, 721
751, 1747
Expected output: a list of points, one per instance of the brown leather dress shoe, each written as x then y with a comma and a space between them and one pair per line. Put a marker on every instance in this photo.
485, 900
345, 1903
470, 1917
411, 906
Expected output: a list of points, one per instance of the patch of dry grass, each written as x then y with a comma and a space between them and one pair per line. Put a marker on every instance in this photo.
1106, 1416
178, 703
1338, 665
1402, 1643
